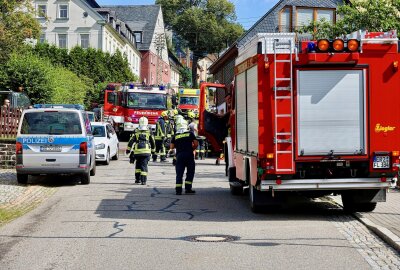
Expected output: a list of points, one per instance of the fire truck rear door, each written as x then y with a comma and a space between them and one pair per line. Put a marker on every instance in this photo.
331, 114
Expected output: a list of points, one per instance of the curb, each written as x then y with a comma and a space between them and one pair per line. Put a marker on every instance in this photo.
385, 234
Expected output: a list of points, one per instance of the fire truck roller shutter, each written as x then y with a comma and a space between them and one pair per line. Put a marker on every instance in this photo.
331, 112
241, 111
252, 109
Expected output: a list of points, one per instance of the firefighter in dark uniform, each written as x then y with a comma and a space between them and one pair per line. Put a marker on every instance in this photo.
185, 142
161, 136
143, 144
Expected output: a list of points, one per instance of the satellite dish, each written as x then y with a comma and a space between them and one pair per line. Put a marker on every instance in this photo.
85, 14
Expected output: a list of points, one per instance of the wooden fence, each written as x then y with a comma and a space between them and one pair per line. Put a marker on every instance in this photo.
9, 119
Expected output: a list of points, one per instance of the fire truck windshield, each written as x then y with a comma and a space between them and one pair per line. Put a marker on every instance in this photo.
146, 101
189, 100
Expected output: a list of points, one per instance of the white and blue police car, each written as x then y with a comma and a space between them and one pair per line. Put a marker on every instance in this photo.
55, 139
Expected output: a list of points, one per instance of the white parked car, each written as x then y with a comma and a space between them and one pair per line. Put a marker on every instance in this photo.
106, 141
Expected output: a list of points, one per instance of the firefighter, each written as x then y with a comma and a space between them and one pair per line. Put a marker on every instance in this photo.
160, 136
185, 142
143, 144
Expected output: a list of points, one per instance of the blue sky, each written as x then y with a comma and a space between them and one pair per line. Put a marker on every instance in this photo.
247, 11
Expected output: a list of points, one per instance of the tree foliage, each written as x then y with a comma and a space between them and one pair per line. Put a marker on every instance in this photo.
17, 22
206, 25
371, 15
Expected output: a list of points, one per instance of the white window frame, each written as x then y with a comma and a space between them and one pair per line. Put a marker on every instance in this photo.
38, 15
138, 38
42, 38
88, 40
66, 40
59, 11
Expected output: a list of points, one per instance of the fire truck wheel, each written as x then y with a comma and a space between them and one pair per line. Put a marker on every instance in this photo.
236, 190
255, 195
350, 206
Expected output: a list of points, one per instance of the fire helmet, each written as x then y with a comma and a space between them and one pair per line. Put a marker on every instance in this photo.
143, 123
191, 115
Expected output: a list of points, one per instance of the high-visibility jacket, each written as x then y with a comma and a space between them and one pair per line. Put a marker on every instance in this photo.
160, 129
142, 143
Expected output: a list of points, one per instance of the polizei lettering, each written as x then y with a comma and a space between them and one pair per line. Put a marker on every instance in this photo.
39, 140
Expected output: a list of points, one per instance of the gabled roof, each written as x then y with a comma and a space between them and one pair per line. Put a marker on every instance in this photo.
140, 18
92, 3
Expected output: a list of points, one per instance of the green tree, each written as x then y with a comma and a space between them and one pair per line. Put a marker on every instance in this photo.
206, 25
17, 22
185, 78
371, 15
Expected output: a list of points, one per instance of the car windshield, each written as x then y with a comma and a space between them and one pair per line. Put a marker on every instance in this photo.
98, 131
90, 116
51, 123
189, 100
146, 101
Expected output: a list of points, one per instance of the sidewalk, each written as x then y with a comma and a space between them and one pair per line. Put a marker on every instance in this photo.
385, 219
15, 199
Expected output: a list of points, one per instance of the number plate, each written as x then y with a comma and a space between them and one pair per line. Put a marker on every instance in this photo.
50, 148
381, 162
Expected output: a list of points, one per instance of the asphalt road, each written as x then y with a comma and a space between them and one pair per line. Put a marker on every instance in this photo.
114, 224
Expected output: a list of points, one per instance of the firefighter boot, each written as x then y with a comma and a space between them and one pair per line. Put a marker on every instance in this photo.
143, 179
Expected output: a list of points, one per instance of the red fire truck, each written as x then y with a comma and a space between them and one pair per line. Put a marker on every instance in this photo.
319, 118
124, 104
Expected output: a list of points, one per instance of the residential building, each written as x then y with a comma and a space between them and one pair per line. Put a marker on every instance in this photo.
147, 23
175, 74
70, 23
203, 66
285, 16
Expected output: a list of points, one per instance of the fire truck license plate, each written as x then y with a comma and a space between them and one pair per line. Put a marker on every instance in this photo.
381, 162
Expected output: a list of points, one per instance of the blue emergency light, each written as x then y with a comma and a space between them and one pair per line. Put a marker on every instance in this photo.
162, 87
59, 106
311, 47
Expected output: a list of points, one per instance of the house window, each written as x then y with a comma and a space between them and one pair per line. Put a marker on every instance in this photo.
285, 21
307, 15
41, 11
63, 11
138, 37
42, 38
85, 41
62, 41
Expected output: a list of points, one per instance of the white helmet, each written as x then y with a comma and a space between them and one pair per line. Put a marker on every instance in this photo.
182, 126
143, 123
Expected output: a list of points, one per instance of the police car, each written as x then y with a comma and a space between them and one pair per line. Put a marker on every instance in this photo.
53, 139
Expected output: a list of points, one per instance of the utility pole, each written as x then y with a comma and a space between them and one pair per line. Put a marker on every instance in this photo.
160, 46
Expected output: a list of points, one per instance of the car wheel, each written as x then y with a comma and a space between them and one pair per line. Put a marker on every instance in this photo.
107, 157
85, 178
116, 157
93, 170
22, 178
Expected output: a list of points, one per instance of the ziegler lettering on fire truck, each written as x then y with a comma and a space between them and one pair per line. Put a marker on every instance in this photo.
379, 128
145, 113
305, 118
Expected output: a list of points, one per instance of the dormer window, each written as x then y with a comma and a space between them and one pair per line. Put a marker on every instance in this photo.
138, 37
63, 11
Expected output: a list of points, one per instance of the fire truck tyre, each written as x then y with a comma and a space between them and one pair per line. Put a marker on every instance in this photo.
107, 162
85, 178
93, 170
116, 157
255, 197
350, 206
22, 178
236, 189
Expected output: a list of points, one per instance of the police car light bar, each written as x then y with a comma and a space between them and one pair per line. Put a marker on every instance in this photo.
59, 106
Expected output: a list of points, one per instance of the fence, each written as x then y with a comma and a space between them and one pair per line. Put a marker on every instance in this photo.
9, 119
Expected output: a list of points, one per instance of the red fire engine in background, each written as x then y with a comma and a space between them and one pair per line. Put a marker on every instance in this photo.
124, 104
318, 119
